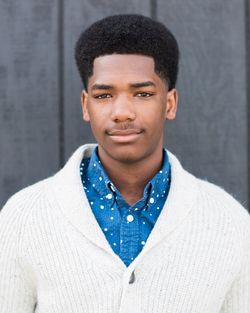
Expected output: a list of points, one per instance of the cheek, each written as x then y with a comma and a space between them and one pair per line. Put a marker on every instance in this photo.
154, 118
99, 121
98, 116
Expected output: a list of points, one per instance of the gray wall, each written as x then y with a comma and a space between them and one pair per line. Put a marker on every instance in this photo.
41, 121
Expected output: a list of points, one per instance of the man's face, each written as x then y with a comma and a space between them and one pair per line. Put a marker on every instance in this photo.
127, 104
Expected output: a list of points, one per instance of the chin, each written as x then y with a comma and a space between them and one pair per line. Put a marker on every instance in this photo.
126, 158
126, 154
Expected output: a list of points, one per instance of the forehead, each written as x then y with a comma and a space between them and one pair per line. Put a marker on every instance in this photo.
123, 67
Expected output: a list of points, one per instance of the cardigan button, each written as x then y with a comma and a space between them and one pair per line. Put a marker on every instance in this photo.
132, 278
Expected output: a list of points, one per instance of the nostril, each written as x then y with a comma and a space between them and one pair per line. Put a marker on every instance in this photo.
123, 115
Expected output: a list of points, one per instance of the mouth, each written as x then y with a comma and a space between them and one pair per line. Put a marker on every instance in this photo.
125, 136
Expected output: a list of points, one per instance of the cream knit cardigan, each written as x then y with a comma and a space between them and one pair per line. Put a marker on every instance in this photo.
54, 257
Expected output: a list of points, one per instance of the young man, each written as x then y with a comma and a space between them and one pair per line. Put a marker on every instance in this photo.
123, 227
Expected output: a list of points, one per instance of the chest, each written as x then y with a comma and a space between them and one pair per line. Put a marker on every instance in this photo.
183, 273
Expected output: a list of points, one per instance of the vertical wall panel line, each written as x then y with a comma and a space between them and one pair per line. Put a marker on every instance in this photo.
61, 82
247, 29
153, 9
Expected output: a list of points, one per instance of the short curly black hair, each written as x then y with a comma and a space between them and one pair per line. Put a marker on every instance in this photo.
128, 34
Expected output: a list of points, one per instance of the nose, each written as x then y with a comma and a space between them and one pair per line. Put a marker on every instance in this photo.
123, 110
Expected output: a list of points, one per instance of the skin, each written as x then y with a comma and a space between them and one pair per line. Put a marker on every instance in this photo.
127, 105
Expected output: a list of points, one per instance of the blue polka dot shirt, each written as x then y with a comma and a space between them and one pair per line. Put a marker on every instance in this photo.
126, 227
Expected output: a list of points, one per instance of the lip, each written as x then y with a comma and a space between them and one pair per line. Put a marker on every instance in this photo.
124, 132
125, 136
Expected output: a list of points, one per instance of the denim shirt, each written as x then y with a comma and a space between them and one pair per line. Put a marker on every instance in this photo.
126, 227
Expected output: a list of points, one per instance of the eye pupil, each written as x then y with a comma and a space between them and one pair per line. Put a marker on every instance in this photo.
103, 96
144, 94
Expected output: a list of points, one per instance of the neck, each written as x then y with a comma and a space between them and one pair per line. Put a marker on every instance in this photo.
131, 179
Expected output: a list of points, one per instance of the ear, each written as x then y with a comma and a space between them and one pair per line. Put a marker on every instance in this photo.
84, 100
171, 104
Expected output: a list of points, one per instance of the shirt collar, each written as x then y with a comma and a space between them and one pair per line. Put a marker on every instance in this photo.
158, 186
98, 176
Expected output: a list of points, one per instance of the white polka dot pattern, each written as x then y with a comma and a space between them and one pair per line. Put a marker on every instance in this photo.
125, 227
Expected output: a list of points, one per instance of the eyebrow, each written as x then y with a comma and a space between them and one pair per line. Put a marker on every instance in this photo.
101, 86
133, 85
143, 84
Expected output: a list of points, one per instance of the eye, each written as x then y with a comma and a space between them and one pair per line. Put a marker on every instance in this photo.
144, 94
103, 96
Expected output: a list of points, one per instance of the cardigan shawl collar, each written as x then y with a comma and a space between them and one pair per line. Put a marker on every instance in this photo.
67, 187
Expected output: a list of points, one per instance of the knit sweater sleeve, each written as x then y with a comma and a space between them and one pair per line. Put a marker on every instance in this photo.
238, 297
16, 291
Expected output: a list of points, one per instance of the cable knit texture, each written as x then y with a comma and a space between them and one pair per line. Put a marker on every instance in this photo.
54, 258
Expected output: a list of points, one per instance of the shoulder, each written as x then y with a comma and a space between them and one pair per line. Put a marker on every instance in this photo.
211, 197
25, 200
215, 195
212, 204
18, 213
218, 204
38, 196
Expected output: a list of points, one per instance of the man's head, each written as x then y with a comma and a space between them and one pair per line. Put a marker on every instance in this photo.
128, 34
128, 65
